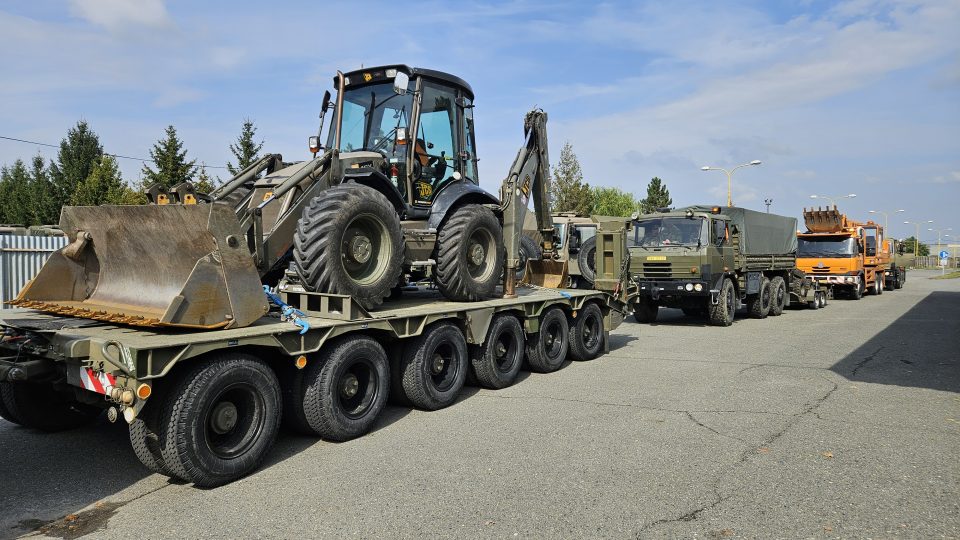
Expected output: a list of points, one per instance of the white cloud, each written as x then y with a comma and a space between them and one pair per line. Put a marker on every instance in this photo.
121, 15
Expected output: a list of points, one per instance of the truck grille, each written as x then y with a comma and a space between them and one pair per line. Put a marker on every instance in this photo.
657, 269
821, 270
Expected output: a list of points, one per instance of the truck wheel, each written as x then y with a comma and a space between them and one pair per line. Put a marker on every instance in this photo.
723, 312
645, 310
823, 300
778, 296
348, 241
40, 406
586, 333
587, 260
497, 362
221, 419
548, 348
856, 292
344, 393
435, 367
144, 435
469, 254
758, 304
877, 286
529, 251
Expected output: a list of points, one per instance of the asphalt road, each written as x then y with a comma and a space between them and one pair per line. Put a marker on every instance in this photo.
843, 422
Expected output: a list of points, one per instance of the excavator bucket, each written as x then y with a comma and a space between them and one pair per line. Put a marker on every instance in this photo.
546, 273
155, 265
821, 221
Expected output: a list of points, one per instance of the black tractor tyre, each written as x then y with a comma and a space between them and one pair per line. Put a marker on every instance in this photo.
645, 310
348, 241
547, 349
778, 296
498, 360
293, 418
586, 333
221, 419
469, 254
434, 367
529, 251
345, 393
758, 305
723, 312
40, 406
587, 260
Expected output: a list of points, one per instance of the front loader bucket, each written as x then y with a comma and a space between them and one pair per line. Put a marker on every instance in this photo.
546, 273
155, 265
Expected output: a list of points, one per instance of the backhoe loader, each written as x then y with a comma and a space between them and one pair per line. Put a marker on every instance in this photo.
393, 196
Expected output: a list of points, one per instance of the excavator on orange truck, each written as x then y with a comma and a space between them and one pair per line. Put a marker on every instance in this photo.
842, 254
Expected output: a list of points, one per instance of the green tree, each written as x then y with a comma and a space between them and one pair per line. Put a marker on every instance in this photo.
205, 184
570, 193
15, 194
79, 151
658, 196
171, 163
103, 186
910, 243
611, 201
246, 150
43, 206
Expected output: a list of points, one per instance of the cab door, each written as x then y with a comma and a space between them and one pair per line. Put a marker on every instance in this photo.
438, 142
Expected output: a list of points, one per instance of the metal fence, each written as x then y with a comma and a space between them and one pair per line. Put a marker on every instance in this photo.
932, 261
21, 258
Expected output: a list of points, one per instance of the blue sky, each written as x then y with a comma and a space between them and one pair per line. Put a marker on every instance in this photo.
859, 96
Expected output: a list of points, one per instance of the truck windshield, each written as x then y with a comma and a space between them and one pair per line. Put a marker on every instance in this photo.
371, 117
827, 246
669, 231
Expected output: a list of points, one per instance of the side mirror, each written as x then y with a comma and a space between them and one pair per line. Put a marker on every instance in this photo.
326, 102
400, 83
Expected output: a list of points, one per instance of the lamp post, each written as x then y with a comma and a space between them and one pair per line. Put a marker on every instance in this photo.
730, 176
886, 217
833, 200
940, 235
768, 202
916, 240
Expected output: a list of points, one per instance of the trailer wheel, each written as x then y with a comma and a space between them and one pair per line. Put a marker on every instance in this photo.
145, 438
723, 312
40, 406
778, 296
497, 362
548, 348
434, 367
349, 241
586, 333
758, 304
344, 394
469, 254
529, 251
222, 419
587, 260
645, 310
293, 417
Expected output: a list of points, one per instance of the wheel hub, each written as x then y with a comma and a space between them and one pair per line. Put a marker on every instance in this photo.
350, 386
438, 364
501, 349
476, 254
224, 417
360, 248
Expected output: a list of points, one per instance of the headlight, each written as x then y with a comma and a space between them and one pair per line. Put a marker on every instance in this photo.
689, 287
698, 287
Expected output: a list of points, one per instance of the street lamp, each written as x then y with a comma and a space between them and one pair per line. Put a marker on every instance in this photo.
886, 217
833, 199
729, 176
916, 239
768, 202
940, 234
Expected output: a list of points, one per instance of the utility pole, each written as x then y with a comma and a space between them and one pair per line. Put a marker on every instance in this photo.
768, 202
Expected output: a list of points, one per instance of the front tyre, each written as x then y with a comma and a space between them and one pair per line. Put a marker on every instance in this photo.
645, 310
469, 254
722, 313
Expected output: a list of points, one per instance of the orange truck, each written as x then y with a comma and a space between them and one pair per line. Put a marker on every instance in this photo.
843, 255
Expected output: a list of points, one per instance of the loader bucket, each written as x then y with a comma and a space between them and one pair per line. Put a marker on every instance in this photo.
155, 265
546, 273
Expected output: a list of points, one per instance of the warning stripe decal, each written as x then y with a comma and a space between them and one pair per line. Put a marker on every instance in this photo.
97, 382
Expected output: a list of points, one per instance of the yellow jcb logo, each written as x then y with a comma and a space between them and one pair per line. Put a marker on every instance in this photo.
424, 189
367, 77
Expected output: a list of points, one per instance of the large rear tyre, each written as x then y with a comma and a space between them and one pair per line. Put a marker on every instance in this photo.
40, 406
497, 361
144, 435
548, 348
434, 367
221, 419
586, 333
587, 260
345, 393
469, 254
529, 251
645, 310
348, 241
292, 388
778, 296
877, 286
723, 312
758, 305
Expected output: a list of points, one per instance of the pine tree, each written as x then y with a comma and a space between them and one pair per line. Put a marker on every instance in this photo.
103, 186
171, 163
570, 194
658, 196
43, 207
79, 151
245, 150
205, 184
15, 194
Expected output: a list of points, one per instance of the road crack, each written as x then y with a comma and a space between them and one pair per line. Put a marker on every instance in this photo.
866, 359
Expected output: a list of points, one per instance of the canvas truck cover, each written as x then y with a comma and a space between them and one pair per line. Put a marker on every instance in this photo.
761, 233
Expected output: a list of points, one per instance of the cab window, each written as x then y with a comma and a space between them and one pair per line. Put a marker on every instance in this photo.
719, 232
470, 167
435, 148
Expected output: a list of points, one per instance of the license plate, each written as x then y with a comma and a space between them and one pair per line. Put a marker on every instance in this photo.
656, 258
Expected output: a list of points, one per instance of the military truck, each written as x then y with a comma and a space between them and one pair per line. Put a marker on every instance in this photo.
575, 243
706, 260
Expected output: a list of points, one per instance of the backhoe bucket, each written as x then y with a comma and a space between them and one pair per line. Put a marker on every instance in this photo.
546, 273
155, 265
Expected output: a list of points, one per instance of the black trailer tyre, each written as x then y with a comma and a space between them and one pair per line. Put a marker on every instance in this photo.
40, 406
547, 349
434, 367
759, 304
144, 435
497, 361
349, 241
645, 310
529, 251
586, 333
723, 312
221, 419
587, 260
345, 393
292, 389
470, 254
778, 296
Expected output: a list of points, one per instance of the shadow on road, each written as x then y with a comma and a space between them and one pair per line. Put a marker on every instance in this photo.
920, 349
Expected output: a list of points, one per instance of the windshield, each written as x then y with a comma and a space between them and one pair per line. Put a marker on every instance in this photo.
371, 116
827, 246
670, 231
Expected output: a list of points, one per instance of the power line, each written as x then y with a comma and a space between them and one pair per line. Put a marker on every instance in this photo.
105, 153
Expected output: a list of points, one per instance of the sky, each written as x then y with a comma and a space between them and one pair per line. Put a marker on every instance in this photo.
858, 96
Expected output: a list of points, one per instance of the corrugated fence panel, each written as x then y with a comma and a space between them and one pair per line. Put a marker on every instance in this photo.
21, 258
